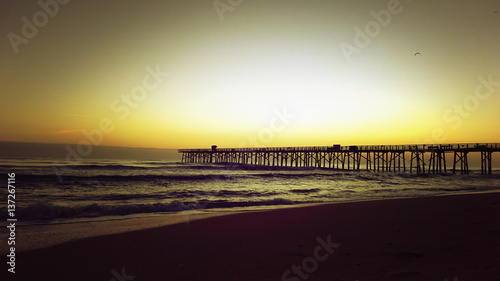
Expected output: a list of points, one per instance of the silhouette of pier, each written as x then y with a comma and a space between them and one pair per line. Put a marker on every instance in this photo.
390, 158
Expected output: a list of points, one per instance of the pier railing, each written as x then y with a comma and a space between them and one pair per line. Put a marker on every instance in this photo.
410, 147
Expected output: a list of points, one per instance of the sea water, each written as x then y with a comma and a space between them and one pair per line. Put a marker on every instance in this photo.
49, 189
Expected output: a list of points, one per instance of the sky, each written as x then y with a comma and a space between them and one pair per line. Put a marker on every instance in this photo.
245, 73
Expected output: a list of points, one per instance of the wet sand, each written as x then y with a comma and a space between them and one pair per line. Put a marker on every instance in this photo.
433, 238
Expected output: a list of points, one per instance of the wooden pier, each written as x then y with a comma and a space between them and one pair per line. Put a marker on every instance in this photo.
390, 158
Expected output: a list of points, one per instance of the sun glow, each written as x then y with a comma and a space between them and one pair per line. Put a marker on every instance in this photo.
228, 79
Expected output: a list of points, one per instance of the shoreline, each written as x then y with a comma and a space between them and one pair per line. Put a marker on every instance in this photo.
72, 230
426, 238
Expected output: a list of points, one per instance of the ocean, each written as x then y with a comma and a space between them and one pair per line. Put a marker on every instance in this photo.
48, 190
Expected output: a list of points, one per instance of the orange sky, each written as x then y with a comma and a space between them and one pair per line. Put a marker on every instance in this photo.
178, 74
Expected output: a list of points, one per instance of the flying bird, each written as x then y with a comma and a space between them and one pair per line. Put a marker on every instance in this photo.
417, 53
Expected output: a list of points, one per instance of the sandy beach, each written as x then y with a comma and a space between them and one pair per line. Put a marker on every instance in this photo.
433, 238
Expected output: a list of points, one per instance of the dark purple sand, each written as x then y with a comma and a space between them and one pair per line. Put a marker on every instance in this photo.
431, 238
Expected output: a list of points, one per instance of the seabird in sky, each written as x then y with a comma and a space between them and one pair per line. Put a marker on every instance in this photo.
417, 53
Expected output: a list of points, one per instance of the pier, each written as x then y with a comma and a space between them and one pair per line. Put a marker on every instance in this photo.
389, 158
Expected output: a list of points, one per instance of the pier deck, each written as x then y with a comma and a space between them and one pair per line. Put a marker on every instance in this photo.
422, 158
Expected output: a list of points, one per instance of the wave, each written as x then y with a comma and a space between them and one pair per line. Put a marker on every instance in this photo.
107, 167
49, 211
70, 178
305, 191
131, 178
169, 195
111, 167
